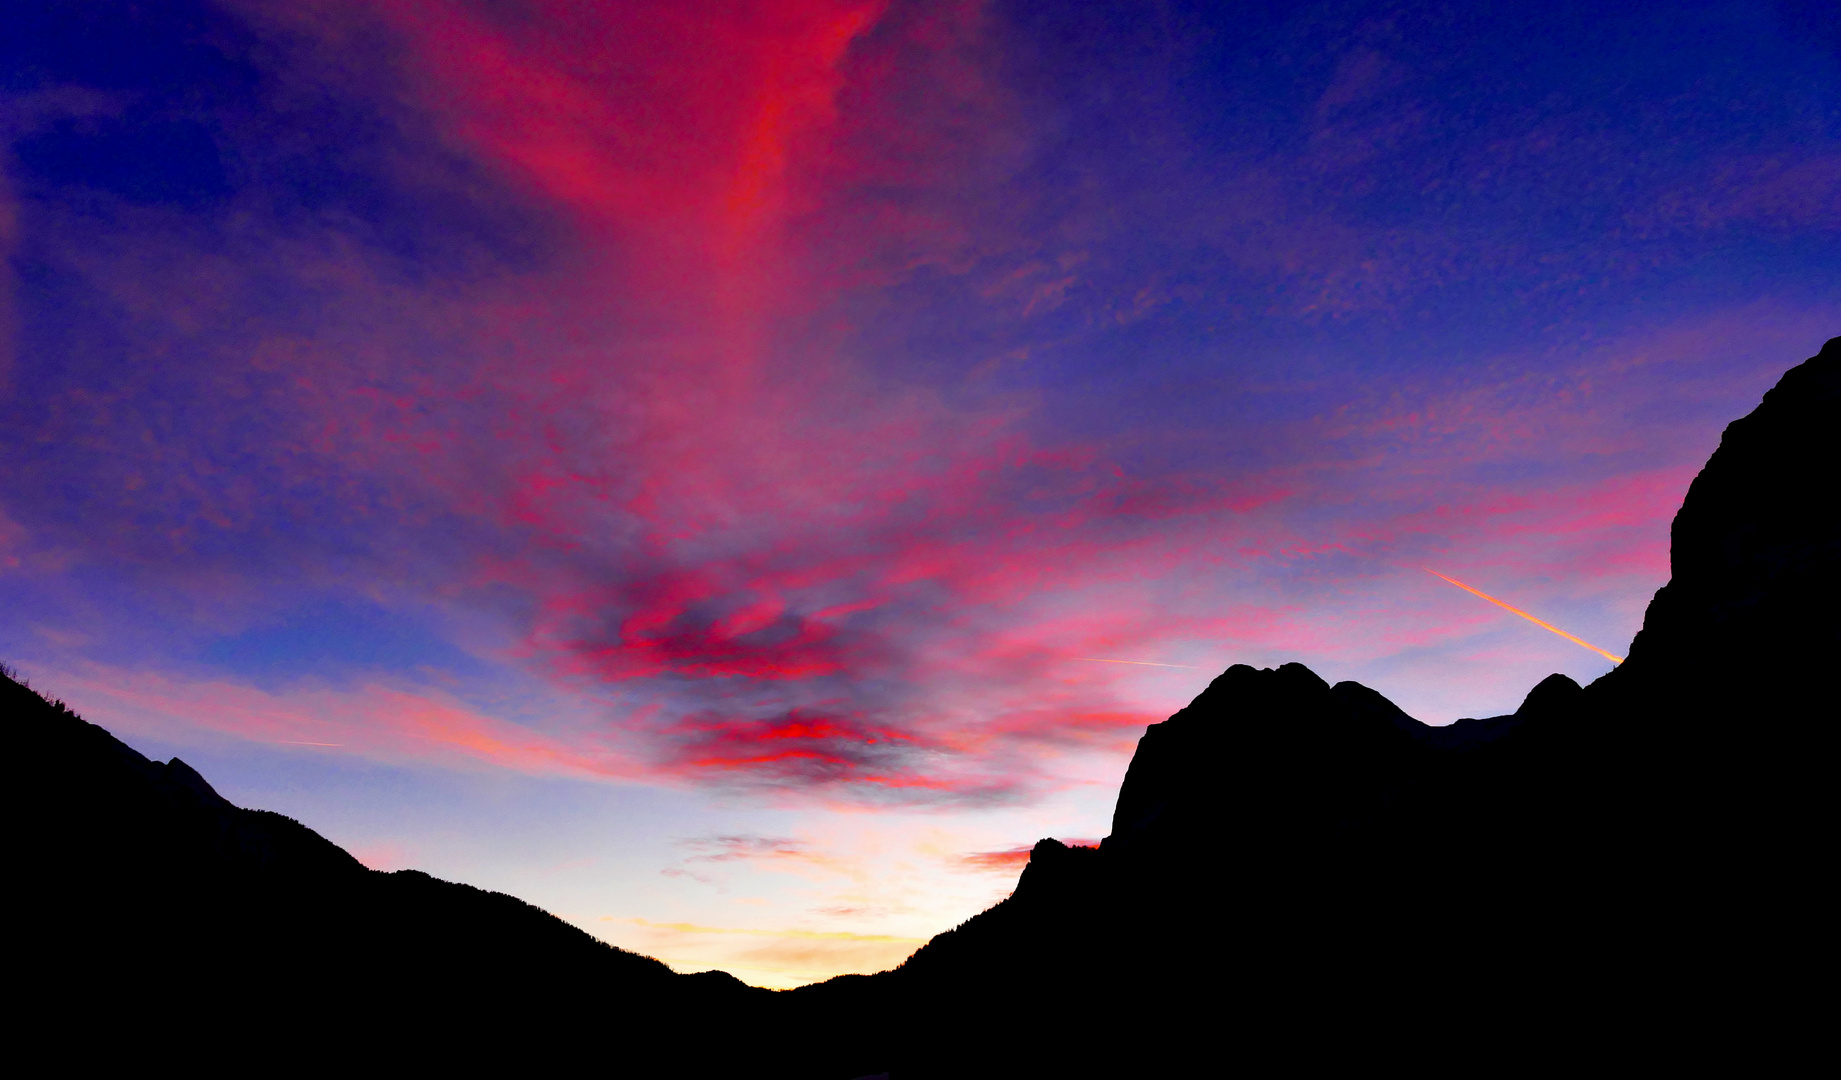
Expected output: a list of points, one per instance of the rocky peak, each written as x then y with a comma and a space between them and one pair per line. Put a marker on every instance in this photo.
1554, 692
1755, 551
1262, 754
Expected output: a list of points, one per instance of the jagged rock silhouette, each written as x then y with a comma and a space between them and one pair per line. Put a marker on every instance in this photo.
1299, 875
1302, 874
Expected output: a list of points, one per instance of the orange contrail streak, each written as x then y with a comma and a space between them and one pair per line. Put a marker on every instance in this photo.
1615, 659
1141, 663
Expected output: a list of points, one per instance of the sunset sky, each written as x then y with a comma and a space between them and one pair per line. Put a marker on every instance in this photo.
682, 463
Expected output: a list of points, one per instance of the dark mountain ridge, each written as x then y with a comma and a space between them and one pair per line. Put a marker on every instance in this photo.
1302, 874
154, 902
1298, 875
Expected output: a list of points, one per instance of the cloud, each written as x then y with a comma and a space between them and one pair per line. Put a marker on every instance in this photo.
760, 376
1010, 860
12, 543
732, 848
380, 723
771, 853
1777, 192
813, 748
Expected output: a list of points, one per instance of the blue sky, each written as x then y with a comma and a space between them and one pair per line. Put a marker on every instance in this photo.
682, 466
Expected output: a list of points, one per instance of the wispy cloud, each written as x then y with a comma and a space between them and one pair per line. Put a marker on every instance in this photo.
378, 723
767, 387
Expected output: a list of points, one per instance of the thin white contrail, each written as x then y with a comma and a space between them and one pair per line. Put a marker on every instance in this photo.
1613, 657
1141, 663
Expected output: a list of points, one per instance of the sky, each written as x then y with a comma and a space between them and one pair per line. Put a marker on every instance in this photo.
689, 465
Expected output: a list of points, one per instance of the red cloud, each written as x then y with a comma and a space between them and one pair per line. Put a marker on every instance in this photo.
663, 452
721, 95
1011, 860
813, 750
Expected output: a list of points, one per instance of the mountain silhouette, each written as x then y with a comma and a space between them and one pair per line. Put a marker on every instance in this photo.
1299, 876
1302, 875
155, 913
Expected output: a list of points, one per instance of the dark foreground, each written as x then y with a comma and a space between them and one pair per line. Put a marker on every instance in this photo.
1298, 876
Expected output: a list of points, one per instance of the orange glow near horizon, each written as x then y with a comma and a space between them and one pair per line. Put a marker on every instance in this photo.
1615, 659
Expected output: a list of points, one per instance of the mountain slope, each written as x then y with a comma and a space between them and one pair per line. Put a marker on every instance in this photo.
161, 908
1301, 873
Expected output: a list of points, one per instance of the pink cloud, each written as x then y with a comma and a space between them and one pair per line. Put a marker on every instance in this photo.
1785, 191
713, 856
1011, 860
376, 722
720, 524
659, 454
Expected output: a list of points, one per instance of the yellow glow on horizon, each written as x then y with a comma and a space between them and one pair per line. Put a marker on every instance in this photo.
815, 935
1614, 658
776, 959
